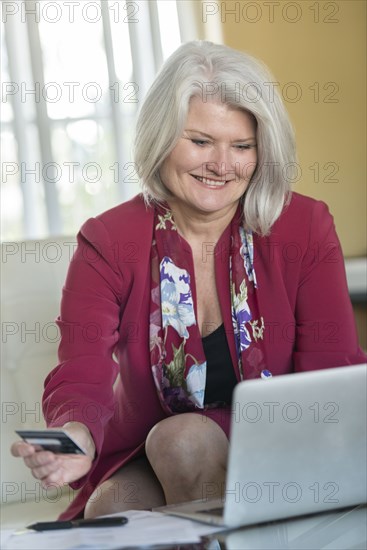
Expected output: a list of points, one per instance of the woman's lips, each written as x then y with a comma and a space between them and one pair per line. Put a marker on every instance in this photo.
210, 182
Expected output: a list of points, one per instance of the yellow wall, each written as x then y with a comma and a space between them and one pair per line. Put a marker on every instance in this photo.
325, 47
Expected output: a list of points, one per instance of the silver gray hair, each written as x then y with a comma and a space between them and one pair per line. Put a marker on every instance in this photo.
213, 71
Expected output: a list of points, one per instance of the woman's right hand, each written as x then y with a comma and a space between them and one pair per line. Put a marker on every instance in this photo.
58, 469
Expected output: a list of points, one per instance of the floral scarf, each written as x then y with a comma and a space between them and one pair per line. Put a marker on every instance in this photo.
177, 358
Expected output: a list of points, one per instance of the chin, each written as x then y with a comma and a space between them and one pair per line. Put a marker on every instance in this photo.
211, 206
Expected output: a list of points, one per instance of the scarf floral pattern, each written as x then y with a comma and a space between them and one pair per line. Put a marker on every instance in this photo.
177, 358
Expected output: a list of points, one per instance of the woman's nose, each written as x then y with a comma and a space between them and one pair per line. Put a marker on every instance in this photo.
220, 161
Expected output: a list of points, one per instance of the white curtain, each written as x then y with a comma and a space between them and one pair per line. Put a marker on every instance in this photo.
73, 76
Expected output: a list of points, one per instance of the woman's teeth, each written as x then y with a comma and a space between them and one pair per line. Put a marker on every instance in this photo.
212, 183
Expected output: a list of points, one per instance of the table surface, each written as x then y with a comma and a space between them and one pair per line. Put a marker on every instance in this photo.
342, 529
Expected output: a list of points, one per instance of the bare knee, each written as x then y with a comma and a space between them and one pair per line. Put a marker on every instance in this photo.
134, 486
112, 496
172, 453
187, 451
173, 441
100, 502
184, 438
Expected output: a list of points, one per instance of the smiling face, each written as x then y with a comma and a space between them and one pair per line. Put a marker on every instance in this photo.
212, 163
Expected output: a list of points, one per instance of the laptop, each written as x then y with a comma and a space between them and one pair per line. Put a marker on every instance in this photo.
298, 446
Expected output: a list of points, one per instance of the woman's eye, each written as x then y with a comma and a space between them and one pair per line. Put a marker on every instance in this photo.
199, 141
244, 146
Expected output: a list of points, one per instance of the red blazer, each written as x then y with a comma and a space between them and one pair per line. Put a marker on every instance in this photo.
104, 378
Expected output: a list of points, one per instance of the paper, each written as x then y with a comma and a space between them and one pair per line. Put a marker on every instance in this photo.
144, 528
5, 536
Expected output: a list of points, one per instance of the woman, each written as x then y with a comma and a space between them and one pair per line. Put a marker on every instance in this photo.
218, 273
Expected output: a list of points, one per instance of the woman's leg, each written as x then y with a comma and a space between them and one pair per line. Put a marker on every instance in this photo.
186, 460
132, 487
188, 453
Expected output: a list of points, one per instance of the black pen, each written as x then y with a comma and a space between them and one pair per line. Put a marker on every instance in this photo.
92, 522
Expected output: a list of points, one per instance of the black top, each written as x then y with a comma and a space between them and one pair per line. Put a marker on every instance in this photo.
220, 375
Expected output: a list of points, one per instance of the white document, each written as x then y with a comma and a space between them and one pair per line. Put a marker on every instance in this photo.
144, 528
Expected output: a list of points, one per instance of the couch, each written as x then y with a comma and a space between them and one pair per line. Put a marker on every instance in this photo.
32, 277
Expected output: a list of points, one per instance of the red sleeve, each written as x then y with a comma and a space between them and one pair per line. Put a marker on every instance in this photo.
80, 388
326, 331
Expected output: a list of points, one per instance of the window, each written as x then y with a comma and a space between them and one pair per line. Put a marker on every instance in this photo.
74, 74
